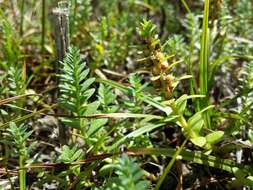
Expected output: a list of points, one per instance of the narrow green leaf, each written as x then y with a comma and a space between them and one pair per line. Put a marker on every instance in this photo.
135, 134
214, 137
181, 103
156, 104
186, 97
74, 123
196, 122
185, 77
96, 125
114, 84
68, 105
199, 141
87, 94
91, 108
86, 84
204, 64
77, 155
84, 74
204, 51
124, 115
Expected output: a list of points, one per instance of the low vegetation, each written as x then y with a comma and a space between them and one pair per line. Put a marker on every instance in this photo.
126, 95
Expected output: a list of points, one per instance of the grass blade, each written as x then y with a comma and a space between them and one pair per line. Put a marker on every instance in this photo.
27, 116
7, 100
204, 65
135, 134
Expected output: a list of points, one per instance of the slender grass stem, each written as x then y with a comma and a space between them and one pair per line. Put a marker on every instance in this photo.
22, 173
186, 6
167, 169
18, 119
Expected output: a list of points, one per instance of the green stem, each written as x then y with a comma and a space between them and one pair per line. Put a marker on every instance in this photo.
189, 132
22, 173
167, 169
186, 6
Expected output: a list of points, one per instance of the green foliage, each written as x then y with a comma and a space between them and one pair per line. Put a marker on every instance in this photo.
204, 67
128, 175
17, 136
136, 90
107, 99
75, 87
85, 10
17, 85
70, 155
147, 29
10, 43
156, 74
245, 99
81, 12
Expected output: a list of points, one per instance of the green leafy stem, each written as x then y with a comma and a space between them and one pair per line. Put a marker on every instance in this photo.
243, 173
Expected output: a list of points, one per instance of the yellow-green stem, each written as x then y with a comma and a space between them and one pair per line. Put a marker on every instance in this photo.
167, 169
183, 123
22, 173
190, 133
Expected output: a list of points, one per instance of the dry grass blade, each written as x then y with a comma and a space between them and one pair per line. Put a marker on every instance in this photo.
8, 100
